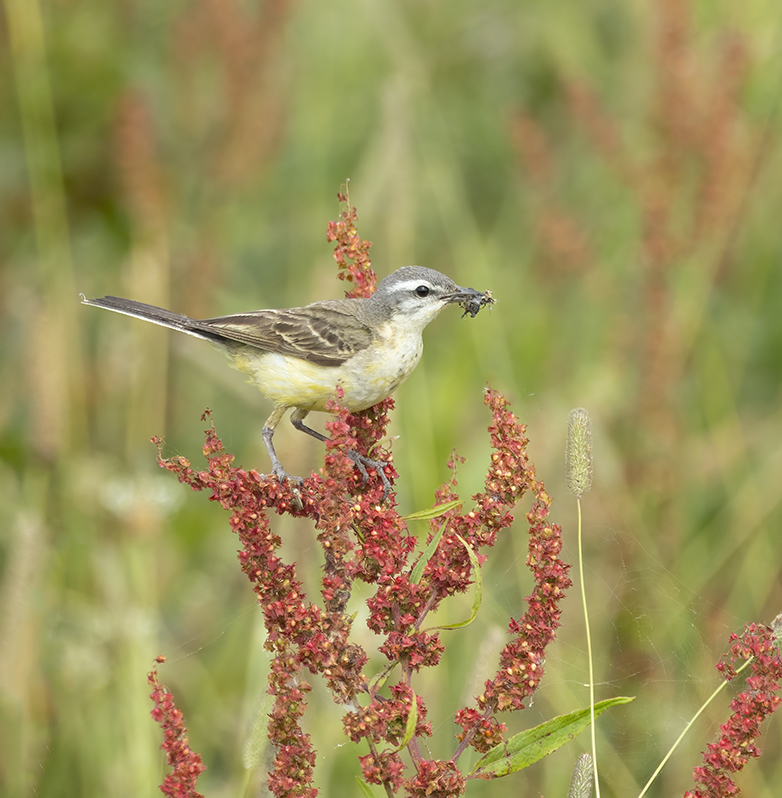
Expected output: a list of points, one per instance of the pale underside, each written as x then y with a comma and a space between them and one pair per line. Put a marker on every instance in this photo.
366, 378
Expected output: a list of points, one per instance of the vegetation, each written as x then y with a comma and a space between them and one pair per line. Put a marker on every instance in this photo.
610, 171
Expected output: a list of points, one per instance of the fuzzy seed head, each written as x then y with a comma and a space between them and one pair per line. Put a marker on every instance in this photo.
581, 783
579, 452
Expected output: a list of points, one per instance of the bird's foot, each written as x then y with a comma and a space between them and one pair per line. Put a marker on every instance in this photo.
284, 476
296, 482
362, 462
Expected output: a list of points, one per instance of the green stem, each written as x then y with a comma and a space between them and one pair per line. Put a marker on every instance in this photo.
589, 651
687, 728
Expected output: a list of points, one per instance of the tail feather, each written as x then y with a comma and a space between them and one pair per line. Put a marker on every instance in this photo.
161, 316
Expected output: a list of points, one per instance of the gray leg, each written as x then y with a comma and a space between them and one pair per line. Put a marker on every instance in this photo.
268, 434
297, 419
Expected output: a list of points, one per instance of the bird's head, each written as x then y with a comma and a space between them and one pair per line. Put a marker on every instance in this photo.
417, 295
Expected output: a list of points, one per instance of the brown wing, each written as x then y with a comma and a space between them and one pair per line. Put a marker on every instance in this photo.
324, 333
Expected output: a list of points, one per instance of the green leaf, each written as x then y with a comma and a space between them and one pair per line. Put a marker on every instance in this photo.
478, 598
412, 721
418, 571
433, 512
522, 750
379, 679
366, 790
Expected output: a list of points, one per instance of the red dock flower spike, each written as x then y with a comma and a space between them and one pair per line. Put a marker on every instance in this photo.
521, 661
187, 765
351, 251
759, 646
362, 537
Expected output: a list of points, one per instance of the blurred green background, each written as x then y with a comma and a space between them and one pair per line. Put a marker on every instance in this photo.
610, 170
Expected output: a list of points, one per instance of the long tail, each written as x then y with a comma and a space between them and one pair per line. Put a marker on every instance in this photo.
161, 316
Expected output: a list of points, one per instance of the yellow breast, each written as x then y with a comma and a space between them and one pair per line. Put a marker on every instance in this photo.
367, 378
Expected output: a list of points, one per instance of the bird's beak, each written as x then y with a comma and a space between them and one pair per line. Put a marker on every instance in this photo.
463, 295
470, 299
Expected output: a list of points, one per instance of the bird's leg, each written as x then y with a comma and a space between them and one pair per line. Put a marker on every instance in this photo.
268, 434
297, 419
359, 460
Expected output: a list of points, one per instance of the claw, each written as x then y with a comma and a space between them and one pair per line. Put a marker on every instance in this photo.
283, 476
361, 462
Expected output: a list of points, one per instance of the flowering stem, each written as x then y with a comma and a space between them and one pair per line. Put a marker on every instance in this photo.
387, 786
487, 713
430, 602
415, 752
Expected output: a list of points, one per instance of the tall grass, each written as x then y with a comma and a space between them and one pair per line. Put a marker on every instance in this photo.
610, 171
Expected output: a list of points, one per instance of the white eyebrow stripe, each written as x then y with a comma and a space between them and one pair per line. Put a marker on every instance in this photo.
411, 285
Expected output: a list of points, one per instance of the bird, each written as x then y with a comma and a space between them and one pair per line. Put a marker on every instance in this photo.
299, 357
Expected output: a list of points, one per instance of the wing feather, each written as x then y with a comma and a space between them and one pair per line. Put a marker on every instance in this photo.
324, 333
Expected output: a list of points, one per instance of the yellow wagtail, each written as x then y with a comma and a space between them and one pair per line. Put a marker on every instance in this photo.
298, 357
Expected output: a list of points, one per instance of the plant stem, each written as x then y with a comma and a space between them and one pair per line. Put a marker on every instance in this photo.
589, 650
687, 728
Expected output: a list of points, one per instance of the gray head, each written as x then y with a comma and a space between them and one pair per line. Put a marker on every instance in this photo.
419, 294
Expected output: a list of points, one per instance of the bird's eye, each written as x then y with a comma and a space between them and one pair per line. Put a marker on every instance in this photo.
422, 290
